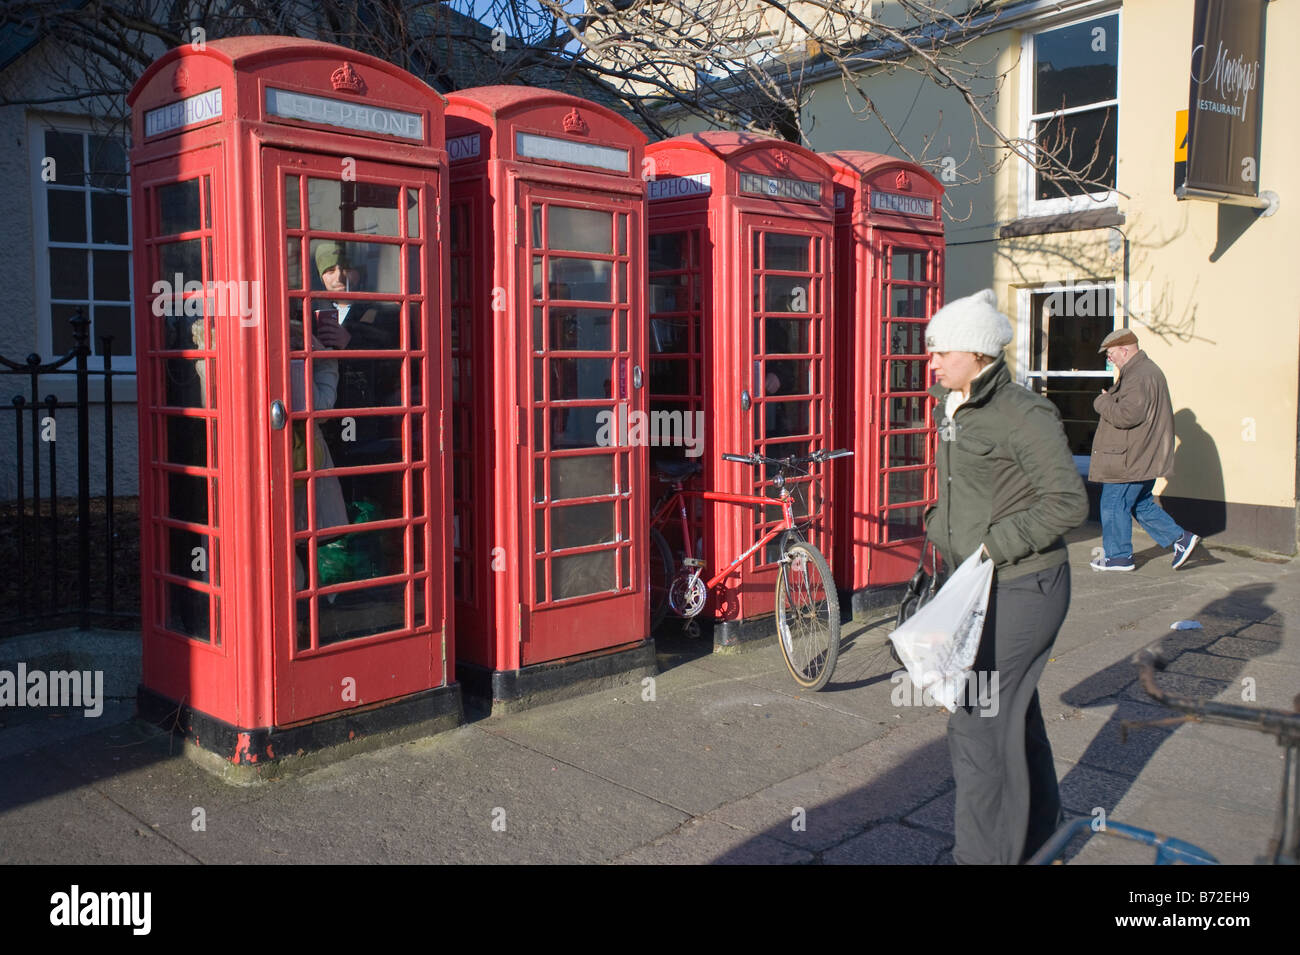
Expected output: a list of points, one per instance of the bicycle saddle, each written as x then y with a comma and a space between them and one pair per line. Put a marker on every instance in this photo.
677, 470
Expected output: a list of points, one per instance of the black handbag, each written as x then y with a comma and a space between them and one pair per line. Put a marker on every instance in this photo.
923, 585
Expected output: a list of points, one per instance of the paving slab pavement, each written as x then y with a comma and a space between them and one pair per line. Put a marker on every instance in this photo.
725, 761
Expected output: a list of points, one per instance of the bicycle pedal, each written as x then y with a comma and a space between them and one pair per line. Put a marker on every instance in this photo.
692, 562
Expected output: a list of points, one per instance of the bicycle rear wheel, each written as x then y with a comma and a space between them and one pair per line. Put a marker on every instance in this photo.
661, 577
807, 615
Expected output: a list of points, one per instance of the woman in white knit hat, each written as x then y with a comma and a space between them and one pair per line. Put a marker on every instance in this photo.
1008, 487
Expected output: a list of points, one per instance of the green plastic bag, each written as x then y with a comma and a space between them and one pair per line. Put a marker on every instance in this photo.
351, 556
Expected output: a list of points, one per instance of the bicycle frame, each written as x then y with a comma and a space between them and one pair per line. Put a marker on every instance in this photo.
806, 612
679, 496
1284, 847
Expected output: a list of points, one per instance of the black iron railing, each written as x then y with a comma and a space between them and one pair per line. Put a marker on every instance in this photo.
59, 563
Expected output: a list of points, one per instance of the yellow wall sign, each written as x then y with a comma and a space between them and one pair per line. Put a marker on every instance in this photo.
1180, 148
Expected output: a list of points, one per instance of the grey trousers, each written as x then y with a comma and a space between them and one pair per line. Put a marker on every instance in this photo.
1008, 803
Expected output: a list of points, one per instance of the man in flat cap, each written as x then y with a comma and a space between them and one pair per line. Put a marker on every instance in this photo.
358, 325
364, 324
331, 263
1133, 446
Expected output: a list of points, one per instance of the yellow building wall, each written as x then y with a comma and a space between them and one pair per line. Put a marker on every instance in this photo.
1214, 293
1224, 323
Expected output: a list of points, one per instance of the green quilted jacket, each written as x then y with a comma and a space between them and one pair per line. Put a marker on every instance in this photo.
1006, 478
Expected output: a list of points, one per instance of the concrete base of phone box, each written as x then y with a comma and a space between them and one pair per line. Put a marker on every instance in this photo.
508, 691
246, 756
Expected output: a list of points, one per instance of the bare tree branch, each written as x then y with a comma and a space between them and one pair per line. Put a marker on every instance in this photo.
739, 64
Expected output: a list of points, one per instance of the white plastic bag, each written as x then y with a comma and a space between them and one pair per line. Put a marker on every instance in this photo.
938, 643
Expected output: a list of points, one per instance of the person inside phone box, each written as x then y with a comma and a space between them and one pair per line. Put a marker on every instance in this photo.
355, 440
1008, 486
363, 382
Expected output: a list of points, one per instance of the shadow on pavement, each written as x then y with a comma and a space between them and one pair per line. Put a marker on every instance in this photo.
905, 816
76, 762
901, 817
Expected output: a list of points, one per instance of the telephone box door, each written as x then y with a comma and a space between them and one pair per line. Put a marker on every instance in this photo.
582, 400
680, 300
355, 438
909, 267
784, 339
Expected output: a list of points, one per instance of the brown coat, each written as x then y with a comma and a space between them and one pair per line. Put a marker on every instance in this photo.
1135, 437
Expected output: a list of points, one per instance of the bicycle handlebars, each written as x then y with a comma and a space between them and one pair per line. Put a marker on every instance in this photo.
1285, 726
817, 457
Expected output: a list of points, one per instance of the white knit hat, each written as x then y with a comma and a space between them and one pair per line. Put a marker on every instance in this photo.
971, 324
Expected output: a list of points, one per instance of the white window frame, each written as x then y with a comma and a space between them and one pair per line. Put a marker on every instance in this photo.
1024, 336
37, 126
1029, 206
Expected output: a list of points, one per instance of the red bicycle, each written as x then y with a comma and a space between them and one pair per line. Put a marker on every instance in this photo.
807, 605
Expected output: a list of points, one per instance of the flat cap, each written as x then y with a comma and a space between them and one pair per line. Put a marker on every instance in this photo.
328, 255
1120, 336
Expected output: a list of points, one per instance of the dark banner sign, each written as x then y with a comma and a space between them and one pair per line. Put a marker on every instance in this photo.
1223, 116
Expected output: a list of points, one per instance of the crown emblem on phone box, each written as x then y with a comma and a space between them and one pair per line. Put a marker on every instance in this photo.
574, 123
347, 78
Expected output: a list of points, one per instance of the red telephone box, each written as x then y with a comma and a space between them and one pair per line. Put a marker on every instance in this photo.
290, 310
740, 285
889, 251
547, 245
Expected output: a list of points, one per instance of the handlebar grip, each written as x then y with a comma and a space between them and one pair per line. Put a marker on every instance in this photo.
738, 458
1148, 661
840, 453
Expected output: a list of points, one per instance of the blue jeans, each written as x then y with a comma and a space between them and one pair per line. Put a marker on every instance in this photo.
1120, 503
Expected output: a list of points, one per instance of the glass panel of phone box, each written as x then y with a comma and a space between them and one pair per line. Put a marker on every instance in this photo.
361, 302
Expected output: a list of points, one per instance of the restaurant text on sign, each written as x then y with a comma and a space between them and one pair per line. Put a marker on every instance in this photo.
186, 112
902, 205
1230, 78
354, 116
775, 188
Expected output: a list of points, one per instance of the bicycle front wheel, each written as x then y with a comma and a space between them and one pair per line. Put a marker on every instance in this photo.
807, 615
